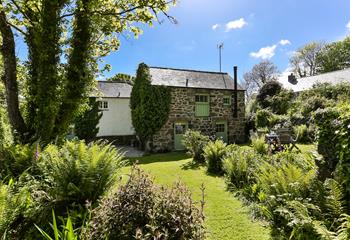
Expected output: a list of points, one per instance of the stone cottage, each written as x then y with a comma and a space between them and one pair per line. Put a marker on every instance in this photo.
201, 100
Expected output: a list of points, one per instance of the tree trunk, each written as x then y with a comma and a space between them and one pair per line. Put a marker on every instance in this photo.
10, 77
79, 77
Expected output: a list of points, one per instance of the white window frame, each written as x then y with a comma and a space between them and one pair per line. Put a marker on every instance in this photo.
103, 105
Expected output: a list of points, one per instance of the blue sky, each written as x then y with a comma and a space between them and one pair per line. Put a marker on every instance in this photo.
250, 30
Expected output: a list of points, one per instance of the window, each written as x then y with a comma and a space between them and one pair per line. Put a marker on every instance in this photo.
103, 105
220, 127
227, 100
201, 98
202, 105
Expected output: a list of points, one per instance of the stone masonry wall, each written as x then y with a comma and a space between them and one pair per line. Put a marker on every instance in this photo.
183, 109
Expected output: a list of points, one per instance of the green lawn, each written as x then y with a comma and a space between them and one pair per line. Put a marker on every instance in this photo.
226, 217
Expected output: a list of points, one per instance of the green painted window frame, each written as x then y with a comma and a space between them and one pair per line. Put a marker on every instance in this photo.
227, 97
218, 129
202, 105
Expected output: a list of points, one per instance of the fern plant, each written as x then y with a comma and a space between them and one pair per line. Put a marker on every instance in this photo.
77, 172
213, 154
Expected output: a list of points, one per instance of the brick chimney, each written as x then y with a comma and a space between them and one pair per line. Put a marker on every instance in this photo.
292, 79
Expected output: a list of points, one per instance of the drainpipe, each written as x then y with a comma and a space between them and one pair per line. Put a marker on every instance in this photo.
235, 112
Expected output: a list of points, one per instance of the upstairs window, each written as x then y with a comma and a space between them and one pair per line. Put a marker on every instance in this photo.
227, 100
202, 105
103, 105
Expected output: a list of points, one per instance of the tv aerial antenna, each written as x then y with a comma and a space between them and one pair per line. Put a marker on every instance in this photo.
220, 47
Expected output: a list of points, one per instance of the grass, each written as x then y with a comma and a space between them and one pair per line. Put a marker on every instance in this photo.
226, 217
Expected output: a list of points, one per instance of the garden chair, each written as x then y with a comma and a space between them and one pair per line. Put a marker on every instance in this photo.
286, 139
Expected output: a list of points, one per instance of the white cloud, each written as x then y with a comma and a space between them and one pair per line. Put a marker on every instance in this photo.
236, 24
284, 42
215, 26
348, 25
265, 52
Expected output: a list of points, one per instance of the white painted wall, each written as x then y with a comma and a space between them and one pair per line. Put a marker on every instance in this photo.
116, 121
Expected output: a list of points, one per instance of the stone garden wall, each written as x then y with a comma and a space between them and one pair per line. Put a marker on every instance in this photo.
183, 109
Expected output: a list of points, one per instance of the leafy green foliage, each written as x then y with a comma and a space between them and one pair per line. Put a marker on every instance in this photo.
281, 102
334, 56
264, 118
301, 133
141, 210
214, 153
326, 145
86, 125
195, 143
67, 179
67, 233
239, 166
342, 141
6, 138
66, 41
77, 173
259, 145
16, 159
148, 113
122, 77
269, 89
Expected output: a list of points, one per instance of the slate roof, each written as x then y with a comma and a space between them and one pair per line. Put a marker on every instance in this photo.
336, 77
110, 89
196, 79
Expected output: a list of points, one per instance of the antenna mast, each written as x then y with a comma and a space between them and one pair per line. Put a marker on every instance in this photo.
220, 47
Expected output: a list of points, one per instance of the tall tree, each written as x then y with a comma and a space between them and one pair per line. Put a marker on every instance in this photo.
65, 40
334, 56
150, 106
260, 74
303, 61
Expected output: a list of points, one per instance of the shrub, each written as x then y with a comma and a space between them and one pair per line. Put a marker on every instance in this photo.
141, 210
281, 102
16, 159
76, 172
64, 179
268, 90
342, 141
213, 154
301, 133
325, 120
263, 118
195, 142
284, 178
239, 166
259, 145
13, 205
6, 138
86, 124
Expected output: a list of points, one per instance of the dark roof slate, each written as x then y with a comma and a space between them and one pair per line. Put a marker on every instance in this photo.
110, 89
195, 79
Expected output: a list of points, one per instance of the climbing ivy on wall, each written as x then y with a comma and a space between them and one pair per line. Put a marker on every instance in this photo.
150, 105
86, 125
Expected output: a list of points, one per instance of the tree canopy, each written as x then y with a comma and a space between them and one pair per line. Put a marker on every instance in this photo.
334, 56
303, 61
260, 74
66, 39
